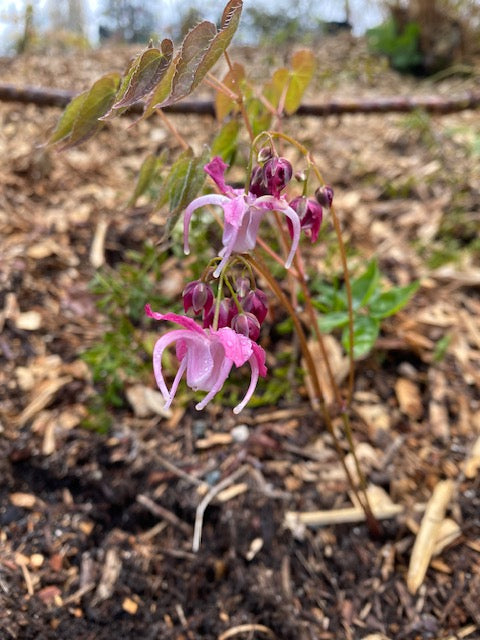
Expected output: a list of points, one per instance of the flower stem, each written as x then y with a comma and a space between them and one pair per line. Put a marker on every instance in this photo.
274, 286
173, 130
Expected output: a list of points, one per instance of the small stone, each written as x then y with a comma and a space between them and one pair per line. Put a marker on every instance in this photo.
240, 433
36, 560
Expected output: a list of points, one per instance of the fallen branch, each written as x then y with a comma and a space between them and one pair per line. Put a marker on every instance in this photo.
433, 104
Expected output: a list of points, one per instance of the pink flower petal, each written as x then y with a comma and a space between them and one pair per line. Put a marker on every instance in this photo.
237, 346
212, 198
234, 211
184, 321
216, 170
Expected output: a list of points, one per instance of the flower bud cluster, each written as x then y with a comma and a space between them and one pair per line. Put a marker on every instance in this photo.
244, 316
271, 176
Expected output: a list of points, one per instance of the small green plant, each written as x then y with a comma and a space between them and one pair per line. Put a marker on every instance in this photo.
371, 304
120, 354
400, 47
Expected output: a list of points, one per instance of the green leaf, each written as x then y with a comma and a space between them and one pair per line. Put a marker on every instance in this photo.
228, 26
194, 49
388, 303
184, 181
259, 117
328, 298
146, 74
365, 286
303, 64
81, 118
65, 124
146, 175
225, 143
333, 320
233, 79
365, 333
276, 87
162, 90
201, 49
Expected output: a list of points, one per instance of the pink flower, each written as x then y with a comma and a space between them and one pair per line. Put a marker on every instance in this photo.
206, 356
243, 213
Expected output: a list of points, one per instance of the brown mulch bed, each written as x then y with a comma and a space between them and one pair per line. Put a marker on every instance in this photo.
96, 530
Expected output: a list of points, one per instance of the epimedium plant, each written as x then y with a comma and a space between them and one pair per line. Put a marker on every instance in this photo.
279, 201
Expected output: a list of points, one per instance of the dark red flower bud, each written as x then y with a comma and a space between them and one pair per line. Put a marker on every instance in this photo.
227, 310
264, 154
198, 296
247, 324
310, 213
256, 302
258, 186
278, 173
242, 286
324, 196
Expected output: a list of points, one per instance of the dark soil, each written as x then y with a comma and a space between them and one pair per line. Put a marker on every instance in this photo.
96, 530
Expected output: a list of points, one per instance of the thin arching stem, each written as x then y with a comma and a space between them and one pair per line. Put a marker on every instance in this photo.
343, 256
174, 131
274, 286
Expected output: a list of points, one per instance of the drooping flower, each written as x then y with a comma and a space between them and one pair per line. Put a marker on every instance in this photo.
247, 324
206, 357
198, 296
256, 302
243, 213
226, 311
310, 213
324, 196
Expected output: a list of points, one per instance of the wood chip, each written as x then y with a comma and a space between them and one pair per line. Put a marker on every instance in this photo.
130, 606
28, 321
232, 492
97, 251
471, 465
111, 571
246, 628
44, 393
428, 533
409, 398
255, 546
24, 500
214, 440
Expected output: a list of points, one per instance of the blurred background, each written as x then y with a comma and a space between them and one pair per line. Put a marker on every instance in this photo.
422, 36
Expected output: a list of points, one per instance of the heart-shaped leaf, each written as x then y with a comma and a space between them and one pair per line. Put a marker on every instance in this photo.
201, 49
228, 26
194, 49
303, 66
148, 71
65, 124
80, 120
